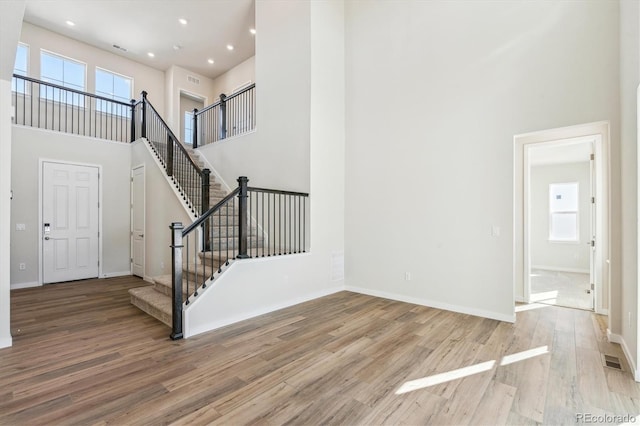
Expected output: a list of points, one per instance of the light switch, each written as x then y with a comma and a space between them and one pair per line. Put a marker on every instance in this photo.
20, 227
495, 231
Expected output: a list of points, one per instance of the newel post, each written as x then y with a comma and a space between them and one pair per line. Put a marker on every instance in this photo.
242, 220
143, 128
194, 131
223, 116
176, 274
133, 120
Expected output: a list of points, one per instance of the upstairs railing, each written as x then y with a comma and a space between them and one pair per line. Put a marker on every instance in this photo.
192, 181
249, 222
230, 116
53, 107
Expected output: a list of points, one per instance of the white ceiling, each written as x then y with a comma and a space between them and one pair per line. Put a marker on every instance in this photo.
142, 26
561, 152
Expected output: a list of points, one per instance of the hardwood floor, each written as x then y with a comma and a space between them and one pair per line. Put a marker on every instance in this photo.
83, 355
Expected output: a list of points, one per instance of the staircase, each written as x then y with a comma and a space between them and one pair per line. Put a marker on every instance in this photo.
156, 299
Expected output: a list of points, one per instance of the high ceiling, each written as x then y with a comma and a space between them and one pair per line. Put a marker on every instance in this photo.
143, 26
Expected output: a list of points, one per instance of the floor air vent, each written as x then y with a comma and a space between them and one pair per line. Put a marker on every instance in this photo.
612, 362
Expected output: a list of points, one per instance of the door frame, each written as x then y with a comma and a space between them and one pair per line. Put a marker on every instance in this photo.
41, 162
144, 213
521, 259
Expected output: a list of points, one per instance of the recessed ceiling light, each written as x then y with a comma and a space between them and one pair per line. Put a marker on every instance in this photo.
183, 21
150, 54
211, 61
229, 47
252, 31
70, 23
177, 47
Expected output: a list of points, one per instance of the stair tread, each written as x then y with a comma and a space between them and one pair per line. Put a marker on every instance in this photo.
152, 302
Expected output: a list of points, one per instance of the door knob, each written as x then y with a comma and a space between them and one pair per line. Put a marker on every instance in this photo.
141, 235
46, 238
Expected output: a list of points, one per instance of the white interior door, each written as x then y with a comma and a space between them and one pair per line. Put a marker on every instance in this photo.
137, 221
70, 222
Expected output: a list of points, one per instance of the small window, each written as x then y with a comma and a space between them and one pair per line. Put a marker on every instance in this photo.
63, 72
21, 67
188, 127
563, 212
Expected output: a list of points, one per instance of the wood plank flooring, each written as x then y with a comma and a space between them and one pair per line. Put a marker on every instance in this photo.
83, 355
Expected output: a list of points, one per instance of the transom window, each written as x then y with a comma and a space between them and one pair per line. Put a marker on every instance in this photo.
563, 212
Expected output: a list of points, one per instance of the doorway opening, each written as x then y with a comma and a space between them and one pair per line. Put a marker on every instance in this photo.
188, 102
561, 239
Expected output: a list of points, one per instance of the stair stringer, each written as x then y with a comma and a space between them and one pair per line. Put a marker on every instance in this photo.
251, 287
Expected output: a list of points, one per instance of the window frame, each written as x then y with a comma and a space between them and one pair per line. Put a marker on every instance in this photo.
80, 101
113, 73
188, 124
552, 237
14, 87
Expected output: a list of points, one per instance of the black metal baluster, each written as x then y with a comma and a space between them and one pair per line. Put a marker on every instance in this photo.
261, 231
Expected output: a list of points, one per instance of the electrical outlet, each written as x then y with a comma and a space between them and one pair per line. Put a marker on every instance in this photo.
20, 227
22, 266
162, 266
407, 276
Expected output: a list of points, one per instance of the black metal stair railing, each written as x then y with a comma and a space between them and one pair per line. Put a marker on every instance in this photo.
192, 181
249, 222
230, 116
53, 107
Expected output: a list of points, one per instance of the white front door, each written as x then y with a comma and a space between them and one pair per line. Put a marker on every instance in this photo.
70, 216
137, 221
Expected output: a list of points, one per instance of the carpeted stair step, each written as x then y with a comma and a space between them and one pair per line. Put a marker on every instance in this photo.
152, 302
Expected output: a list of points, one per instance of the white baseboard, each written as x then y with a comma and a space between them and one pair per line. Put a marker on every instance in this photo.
192, 331
520, 299
148, 279
6, 342
616, 338
561, 269
435, 304
16, 286
116, 274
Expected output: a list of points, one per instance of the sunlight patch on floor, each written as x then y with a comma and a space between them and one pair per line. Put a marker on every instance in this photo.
448, 376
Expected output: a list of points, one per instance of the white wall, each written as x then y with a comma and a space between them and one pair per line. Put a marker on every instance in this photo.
11, 13
144, 77
435, 93
162, 207
177, 81
277, 154
236, 76
554, 255
29, 145
624, 318
256, 286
